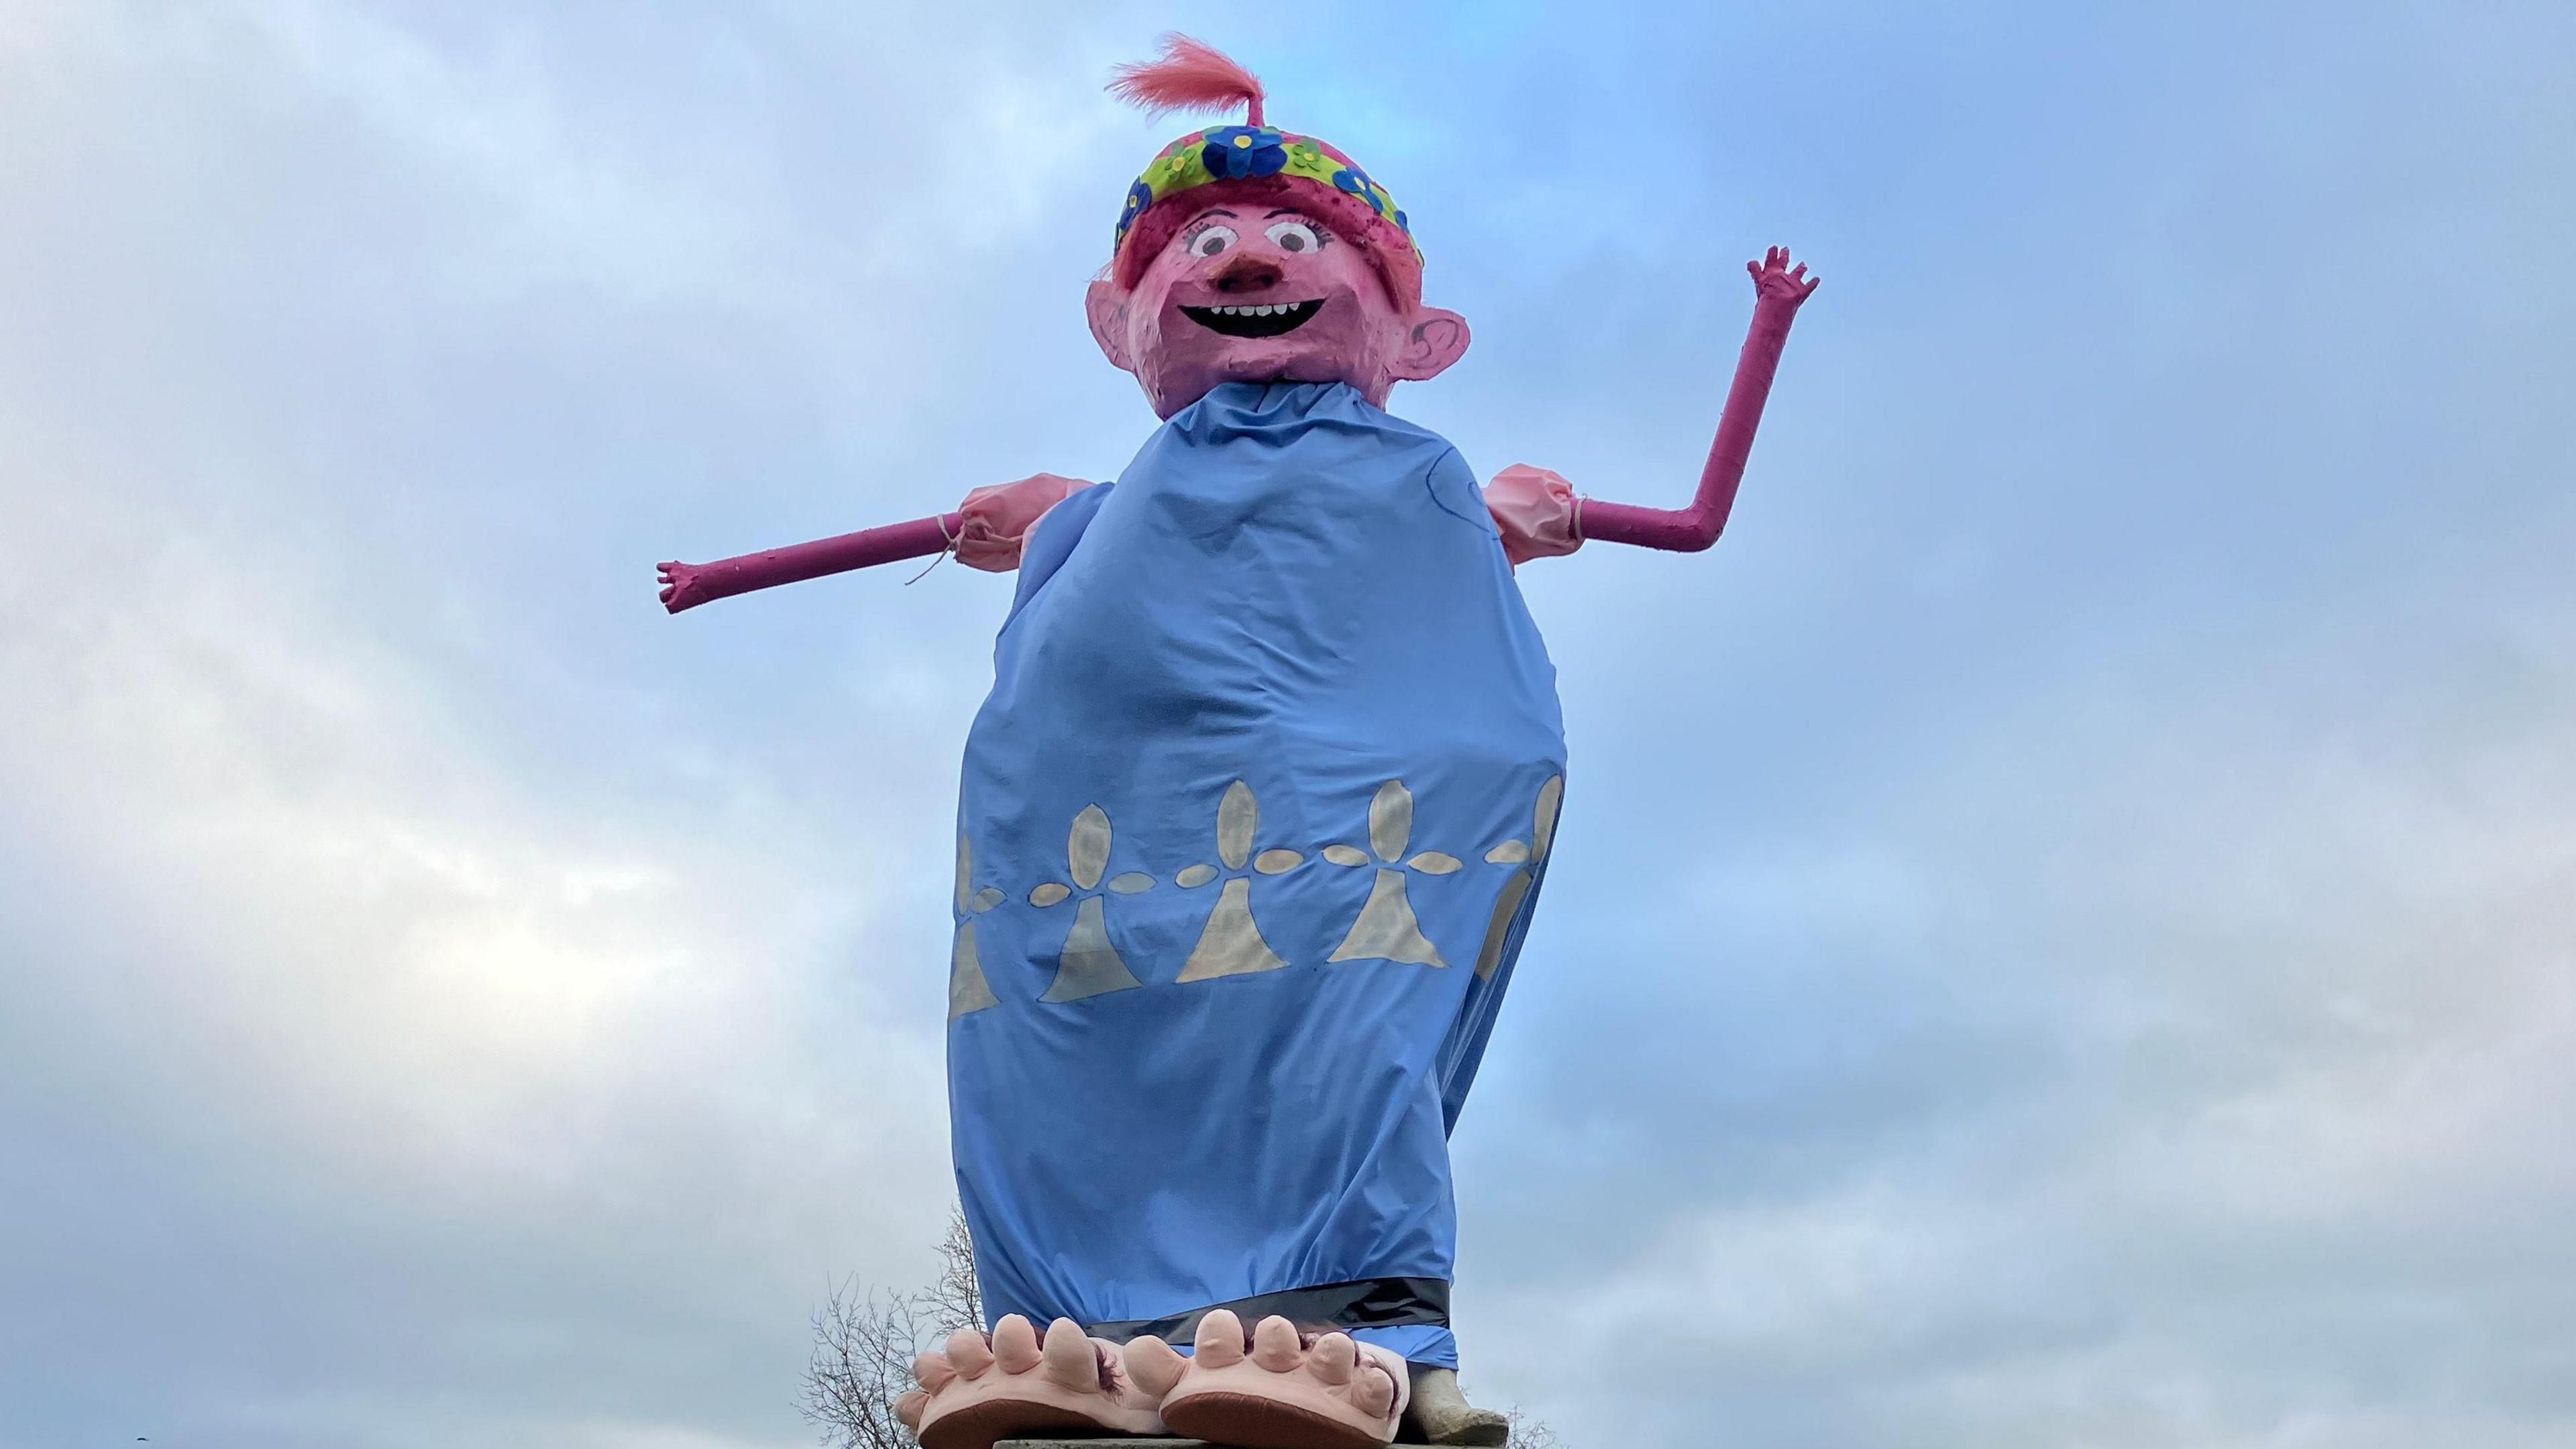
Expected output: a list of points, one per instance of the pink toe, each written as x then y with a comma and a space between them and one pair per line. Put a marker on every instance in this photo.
932, 1371
1154, 1365
1070, 1358
1275, 1346
968, 1353
1332, 1359
1220, 1340
908, 1406
1015, 1344
1373, 1390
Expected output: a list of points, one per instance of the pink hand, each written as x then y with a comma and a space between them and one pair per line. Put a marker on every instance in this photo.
680, 585
1774, 281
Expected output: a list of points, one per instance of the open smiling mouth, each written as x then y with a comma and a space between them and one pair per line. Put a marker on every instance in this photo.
1266, 320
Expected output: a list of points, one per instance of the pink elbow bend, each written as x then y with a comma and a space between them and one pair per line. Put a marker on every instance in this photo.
1685, 530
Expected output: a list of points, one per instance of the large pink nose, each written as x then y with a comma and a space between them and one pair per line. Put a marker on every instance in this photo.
1247, 273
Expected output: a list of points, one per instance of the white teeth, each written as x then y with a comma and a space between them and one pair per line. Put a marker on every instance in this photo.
1270, 309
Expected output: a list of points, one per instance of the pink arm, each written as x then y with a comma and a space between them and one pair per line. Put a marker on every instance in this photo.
685, 586
1777, 292
987, 531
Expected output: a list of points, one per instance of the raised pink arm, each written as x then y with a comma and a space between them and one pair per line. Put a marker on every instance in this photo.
686, 586
1778, 289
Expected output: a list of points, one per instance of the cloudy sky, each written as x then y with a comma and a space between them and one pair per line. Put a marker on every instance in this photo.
2066, 925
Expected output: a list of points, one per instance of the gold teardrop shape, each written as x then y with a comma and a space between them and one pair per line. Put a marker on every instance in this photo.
967, 988
1434, 862
1131, 883
985, 900
1237, 815
1276, 862
1391, 820
1346, 855
1501, 928
1510, 852
1543, 825
1086, 848
1050, 893
1194, 876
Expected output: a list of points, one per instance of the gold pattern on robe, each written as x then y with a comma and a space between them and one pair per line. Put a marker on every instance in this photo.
1238, 815
1515, 891
967, 988
1087, 848
1512, 852
1387, 929
1232, 944
1089, 965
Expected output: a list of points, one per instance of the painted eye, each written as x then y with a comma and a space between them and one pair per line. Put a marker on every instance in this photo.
1211, 240
1294, 236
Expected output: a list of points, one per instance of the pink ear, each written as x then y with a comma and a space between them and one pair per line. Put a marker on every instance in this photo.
1106, 304
1434, 338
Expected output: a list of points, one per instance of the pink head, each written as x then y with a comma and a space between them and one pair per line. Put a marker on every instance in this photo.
1264, 270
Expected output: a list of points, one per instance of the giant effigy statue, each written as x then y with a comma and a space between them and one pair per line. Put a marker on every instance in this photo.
1252, 823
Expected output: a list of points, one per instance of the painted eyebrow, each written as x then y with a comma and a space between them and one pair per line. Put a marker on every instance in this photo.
1221, 211
1287, 211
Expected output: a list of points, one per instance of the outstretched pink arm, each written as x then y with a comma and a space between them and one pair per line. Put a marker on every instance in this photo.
1778, 289
688, 585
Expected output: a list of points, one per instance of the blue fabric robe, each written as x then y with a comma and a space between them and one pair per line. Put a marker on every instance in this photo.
1251, 826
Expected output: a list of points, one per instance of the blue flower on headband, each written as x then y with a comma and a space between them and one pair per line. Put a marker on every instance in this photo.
1233, 153
1355, 181
1139, 196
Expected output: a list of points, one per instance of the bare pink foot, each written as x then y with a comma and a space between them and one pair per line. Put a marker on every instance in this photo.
1278, 1389
976, 1391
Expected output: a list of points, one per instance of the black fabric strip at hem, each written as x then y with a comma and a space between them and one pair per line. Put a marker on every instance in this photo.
1361, 1303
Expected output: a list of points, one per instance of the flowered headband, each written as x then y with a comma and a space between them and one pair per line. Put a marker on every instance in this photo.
1192, 76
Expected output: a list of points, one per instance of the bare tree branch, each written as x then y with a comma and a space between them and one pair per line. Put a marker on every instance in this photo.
956, 1300
865, 1341
1529, 1433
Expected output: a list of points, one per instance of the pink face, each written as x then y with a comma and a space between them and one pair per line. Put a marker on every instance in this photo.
1260, 292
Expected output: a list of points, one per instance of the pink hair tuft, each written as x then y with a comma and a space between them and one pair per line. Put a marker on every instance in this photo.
1190, 76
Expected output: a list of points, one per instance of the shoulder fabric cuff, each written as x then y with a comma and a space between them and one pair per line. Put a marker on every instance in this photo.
997, 520
1534, 509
